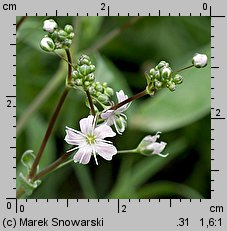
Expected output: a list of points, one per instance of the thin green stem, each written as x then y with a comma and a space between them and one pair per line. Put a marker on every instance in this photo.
56, 164
127, 151
90, 102
137, 96
20, 22
185, 68
48, 132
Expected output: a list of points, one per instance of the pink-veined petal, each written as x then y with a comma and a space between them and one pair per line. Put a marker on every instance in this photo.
107, 114
104, 131
86, 125
73, 138
105, 150
83, 155
121, 97
156, 148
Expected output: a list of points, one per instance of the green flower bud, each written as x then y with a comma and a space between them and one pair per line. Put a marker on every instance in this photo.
158, 84
152, 72
68, 29
78, 82
92, 68
103, 98
104, 84
84, 69
162, 64
108, 91
178, 79
68, 42
166, 72
172, 86
71, 35
84, 59
87, 84
90, 77
157, 75
98, 87
54, 35
75, 74
120, 124
62, 35
47, 44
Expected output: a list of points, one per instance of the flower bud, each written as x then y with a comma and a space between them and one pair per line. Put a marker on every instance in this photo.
103, 98
78, 82
71, 35
157, 75
166, 72
178, 79
98, 87
172, 86
148, 146
162, 64
84, 69
68, 42
49, 25
108, 91
199, 60
68, 29
158, 84
90, 77
84, 59
152, 72
62, 35
120, 124
47, 44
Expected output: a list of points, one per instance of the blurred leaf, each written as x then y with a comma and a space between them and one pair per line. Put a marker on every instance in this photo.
89, 27
166, 189
145, 169
171, 110
36, 130
31, 32
84, 176
107, 72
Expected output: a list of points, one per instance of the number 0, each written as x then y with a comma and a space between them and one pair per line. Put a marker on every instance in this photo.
204, 6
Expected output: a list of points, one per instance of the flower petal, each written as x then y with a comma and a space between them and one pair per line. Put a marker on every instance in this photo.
83, 155
73, 138
105, 150
156, 147
104, 131
86, 125
107, 114
121, 97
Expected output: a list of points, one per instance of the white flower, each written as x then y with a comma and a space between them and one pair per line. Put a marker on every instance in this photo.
148, 146
49, 25
90, 141
199, 60
116, 117
47, 44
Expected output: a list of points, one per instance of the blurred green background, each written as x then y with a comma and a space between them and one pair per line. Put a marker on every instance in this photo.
122, 48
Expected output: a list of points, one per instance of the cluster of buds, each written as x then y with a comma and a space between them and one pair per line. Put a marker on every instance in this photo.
161, 77
83, 73
56, 38
83, 76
